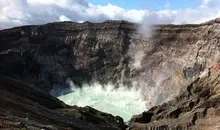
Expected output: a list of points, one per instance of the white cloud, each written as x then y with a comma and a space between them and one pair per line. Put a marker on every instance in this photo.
80, 21
21, 12
210, 4
64, 18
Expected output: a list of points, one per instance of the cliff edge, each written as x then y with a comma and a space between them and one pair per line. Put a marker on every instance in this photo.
179, 62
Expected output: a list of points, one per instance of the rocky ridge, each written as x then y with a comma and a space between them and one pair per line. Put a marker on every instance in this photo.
49, 54
112, 51
172, 59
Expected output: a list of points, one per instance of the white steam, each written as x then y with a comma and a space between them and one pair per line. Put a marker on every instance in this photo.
136, 52
137, 47
146, 29
156, 81
149, 88
122, 101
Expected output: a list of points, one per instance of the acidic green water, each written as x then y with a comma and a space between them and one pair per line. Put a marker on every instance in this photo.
122, 102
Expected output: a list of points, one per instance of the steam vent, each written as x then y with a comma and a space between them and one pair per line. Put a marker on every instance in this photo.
114, 75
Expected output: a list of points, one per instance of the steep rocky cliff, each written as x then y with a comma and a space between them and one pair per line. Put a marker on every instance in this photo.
163, 58
162, 62
49, 54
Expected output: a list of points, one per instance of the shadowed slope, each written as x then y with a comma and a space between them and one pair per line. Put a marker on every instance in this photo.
24, 106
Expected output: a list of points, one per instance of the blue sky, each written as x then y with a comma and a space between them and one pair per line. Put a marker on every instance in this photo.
26, 12
150, 4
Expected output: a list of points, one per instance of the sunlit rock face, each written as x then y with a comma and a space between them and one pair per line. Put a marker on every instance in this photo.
196, 107
161, 60
152, 66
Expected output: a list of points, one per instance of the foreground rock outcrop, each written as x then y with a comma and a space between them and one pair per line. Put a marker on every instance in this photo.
25, 107
196, 108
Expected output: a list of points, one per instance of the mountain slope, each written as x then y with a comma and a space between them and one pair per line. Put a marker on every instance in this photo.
26, 107
113, 51
170, 61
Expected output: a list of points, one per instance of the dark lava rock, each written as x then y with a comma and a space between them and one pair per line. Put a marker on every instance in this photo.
27, 107
48, 55
45, 56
